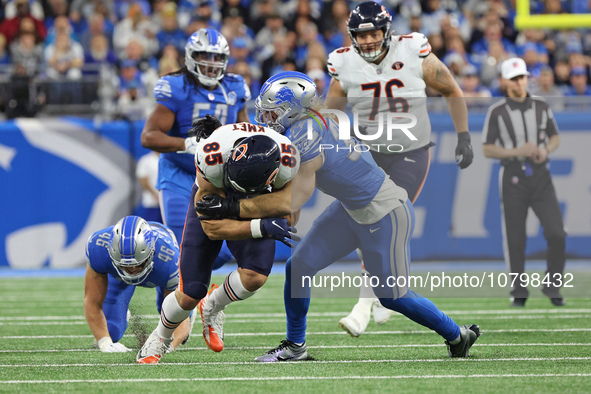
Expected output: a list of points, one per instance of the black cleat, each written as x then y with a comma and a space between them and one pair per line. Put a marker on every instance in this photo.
558, 301
518, 302
468, 335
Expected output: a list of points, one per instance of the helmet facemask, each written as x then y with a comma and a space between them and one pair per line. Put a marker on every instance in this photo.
206, 56
132, 245
209, 67
370, 52
370, 16
284, 99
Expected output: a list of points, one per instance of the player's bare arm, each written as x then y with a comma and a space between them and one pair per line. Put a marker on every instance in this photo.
154, 135
300, 190
438, 77
95, 291
335, 97
224, 229
242, 116
276, 204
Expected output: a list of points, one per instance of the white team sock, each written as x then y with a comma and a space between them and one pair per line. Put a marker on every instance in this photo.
366, 295
232, 290
171, 317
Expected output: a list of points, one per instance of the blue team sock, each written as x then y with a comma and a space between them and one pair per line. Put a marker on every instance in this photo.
296, 308
421, 310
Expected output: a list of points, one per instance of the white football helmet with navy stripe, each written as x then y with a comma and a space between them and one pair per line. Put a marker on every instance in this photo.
131, 248
206, 56
285, 98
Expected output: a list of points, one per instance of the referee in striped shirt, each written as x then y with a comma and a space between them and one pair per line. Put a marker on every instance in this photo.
521, 131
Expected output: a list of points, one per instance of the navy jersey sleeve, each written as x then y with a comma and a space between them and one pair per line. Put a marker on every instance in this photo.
306, 135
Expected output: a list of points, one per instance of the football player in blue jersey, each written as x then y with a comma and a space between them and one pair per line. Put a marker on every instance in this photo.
131, 253
201, 87
370, 212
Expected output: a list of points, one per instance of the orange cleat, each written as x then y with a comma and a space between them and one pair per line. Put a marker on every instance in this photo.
213, 323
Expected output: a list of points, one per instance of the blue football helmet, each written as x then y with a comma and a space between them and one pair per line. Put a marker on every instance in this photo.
284, 99
132, 246
369, 16
253, 165
206, 56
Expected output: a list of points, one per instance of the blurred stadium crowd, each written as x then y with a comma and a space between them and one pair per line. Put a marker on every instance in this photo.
105, 56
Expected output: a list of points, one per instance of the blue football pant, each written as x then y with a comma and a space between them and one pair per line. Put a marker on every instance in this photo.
385, 248
175, 206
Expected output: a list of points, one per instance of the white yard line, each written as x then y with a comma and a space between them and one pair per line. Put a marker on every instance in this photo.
323, 314
183, 348
283, 378
429, 360
251, 334
318, 320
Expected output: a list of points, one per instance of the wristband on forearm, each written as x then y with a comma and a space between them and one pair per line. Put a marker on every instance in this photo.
255, 228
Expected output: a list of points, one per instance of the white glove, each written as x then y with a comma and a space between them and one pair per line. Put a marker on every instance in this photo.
190, 146
106, 345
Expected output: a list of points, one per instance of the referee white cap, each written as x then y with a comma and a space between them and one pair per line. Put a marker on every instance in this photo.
513, 67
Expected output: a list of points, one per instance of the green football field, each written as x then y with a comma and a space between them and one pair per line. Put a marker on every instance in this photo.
46, 346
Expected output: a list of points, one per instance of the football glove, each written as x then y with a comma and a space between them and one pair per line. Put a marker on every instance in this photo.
213, 207
106, 345
274, 228
464, 154
190, 146
203, 127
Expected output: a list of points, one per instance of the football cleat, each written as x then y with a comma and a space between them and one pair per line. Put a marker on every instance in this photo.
213, 323
381, 314
153, 349
518, 302
468, 335
356, 322
287, 351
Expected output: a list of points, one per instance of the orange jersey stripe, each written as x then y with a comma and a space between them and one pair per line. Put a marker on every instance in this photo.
424, 178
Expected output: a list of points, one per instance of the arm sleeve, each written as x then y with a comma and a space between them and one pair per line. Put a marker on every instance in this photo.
551, 128
490, 132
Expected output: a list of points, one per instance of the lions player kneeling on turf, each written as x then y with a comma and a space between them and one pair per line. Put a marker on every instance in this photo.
131, 253
236, 161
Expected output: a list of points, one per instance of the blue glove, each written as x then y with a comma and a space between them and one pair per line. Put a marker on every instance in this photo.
274, 228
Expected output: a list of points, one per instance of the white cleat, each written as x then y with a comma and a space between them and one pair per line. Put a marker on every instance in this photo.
381, 314
357, 321
153, 349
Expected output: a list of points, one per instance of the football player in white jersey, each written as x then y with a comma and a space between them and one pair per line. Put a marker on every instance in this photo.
382, 73
236, 161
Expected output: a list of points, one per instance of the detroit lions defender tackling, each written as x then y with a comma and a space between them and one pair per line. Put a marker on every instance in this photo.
371, 213
383, 73
199, 88
235, 161
131, 253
